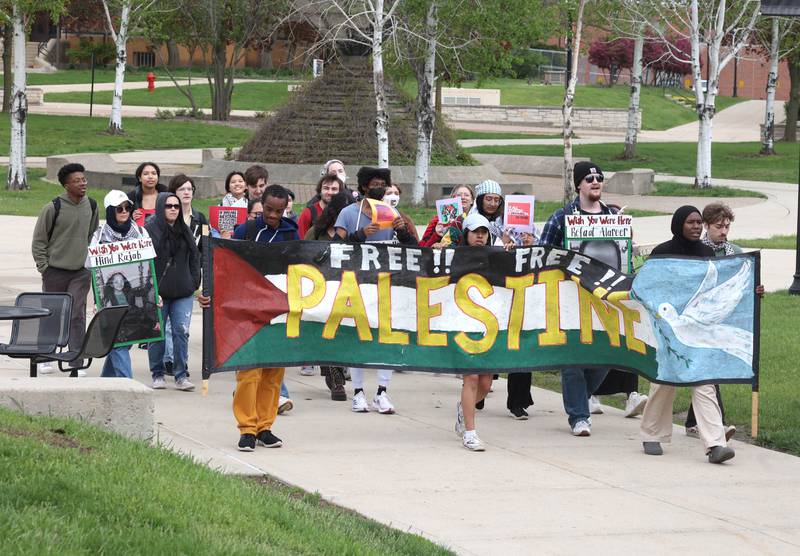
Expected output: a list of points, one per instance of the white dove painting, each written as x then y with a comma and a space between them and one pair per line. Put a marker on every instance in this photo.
702, 313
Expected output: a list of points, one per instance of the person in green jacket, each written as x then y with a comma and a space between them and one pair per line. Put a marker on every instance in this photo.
60, 243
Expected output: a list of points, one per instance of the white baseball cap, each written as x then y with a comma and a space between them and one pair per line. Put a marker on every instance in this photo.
474, 221
115, 198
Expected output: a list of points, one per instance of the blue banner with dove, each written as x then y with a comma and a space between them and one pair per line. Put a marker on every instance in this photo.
704, 316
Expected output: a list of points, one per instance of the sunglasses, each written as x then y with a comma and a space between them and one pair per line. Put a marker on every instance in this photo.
123, 208
171, 206
591, 177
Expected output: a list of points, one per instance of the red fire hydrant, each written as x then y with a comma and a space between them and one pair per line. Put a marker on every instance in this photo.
151, 81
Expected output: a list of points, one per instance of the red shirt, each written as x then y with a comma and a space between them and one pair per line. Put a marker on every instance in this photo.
304, 222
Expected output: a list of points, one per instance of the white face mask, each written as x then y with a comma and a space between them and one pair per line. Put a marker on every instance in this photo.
391, 199
342, 176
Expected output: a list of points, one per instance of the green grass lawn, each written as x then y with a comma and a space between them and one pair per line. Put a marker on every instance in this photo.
779, 416
675, 189
51, 135
70, 488
729, 160
30, 201
246, 96
468, 134
658, 111
106, 75
774, 242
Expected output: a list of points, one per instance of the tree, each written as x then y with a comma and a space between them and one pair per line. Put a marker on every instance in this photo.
632, 133
793, 106
8, 77
612, 56
129, 13
569, 99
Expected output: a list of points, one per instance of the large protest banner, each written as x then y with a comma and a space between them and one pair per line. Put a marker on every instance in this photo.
452, 310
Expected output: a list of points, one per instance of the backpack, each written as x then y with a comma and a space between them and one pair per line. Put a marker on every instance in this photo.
57, 208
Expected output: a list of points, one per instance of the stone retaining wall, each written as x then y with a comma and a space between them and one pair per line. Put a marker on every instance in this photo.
600, 119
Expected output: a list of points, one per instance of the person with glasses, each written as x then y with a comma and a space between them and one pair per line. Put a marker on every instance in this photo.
578, 385
119, 226
60, 242
177, 266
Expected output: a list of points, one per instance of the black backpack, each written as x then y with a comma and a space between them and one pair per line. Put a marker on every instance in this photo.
57, 208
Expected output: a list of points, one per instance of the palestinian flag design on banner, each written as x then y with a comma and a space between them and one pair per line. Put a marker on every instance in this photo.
454, 310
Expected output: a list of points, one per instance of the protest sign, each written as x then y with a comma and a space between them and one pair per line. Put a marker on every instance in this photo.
225, 219
518, 213
383, 214
448, 210
120, 252
607, 237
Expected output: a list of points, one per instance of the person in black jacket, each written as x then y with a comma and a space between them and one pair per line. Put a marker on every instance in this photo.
144, 195
177, 266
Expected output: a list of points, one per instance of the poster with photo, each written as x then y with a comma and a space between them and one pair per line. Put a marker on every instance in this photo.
605, 237
518, 213
448, 210
383, 214
225, 219
132, 284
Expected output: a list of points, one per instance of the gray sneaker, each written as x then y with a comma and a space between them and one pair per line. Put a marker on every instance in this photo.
159, 384
184, 384
460, 427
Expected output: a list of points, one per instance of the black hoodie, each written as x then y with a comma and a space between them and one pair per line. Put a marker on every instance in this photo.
177, 259
679, 245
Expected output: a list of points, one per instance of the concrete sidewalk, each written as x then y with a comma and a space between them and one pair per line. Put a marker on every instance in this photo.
536, 490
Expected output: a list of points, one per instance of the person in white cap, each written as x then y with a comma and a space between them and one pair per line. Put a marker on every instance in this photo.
489, 204
118, 226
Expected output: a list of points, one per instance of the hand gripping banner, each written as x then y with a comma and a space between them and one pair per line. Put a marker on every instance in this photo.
464, 309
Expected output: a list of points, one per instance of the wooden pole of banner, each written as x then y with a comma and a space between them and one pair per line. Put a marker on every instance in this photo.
204, 388
754, 415
756, 349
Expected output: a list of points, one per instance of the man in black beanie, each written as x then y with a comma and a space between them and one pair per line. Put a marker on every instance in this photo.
577, 385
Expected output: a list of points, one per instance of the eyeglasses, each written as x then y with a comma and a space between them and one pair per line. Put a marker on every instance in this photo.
591, 177
171, 206
123, 208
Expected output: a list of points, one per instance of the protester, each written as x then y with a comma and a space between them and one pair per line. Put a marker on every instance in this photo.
327, 186
392, 198
489, 203
177, 267
475, 387
119, 226
255, 208
255, 178
336, 167
234, 190
435, 231
577, 385
324, 229
354, 223
60, 241
289, 213
257, 396
144, 195
687, 226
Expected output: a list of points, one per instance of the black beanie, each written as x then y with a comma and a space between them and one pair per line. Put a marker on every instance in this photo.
583, 169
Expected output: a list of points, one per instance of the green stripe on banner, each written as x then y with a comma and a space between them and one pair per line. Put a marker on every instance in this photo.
270, 344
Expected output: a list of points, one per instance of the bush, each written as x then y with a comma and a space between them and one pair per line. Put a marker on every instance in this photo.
164, 114
104, 53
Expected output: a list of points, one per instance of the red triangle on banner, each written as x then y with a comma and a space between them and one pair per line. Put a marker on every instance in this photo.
244, 301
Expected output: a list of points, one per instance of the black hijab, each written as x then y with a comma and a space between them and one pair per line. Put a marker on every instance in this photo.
111, 220
679, 245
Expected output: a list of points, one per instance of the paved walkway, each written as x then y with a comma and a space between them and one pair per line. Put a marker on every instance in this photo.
536, 490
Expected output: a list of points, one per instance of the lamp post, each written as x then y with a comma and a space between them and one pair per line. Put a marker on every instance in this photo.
794, 289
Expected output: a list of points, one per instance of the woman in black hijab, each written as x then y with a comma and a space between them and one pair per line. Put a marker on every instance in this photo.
687, 227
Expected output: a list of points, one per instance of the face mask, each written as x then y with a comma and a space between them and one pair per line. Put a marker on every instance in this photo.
391, 199
343, 177
376, 193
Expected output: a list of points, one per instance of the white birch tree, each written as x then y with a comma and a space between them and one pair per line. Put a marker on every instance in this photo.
426, 109
775, 44
17, 170
569, 100
632, 133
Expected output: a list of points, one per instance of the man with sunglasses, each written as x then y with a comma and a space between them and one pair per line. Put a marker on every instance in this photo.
60, 243
577, 384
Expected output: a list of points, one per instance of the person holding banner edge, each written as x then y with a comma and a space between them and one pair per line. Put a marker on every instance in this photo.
577, 384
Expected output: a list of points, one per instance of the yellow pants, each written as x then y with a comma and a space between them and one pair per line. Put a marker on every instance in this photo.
255, 403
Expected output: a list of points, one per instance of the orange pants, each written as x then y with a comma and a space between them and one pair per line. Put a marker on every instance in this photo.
255, 403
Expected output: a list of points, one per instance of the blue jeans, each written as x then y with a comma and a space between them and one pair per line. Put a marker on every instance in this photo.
576, 387
284, 390
118, 363
167, 340
179, 312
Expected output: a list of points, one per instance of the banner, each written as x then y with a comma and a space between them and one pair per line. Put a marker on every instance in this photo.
463, 309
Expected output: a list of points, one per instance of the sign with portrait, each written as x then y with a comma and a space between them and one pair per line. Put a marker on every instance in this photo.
225, 219
605, 237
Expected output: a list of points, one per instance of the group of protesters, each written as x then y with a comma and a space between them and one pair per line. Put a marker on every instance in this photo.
69, 224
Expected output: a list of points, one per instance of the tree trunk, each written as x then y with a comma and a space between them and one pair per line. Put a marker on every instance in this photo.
265, 61
17, 173
768, 133
8, 77
426, 112
703, 168
173, 55
121, 40
569, 98
381, 113
704, 104
636, 87
220, 95
793, 106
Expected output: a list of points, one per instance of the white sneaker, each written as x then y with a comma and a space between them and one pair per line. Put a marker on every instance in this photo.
692, 432
473, 443
184, 385
460, 427
307, 371
284, 405
159, 383
594, 406
582, 428
635, 404
81, 373
45, 368
383, 404
360, 403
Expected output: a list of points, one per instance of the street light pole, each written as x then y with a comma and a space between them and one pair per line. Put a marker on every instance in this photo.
794, 289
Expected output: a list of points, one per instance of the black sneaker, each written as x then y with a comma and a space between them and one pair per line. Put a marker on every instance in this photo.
168, 368
269, 440
479, 405
519, 414
247, 443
